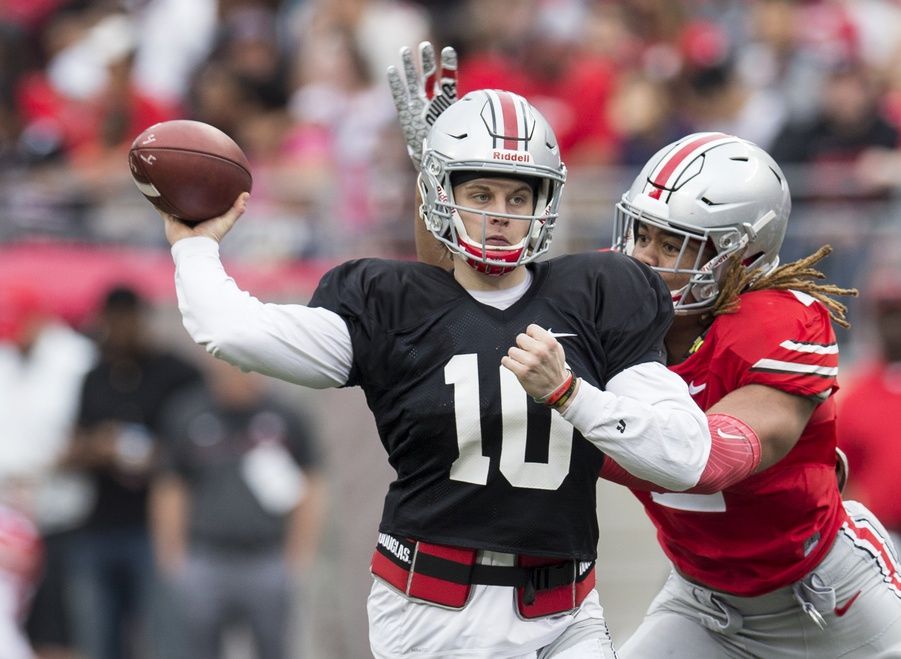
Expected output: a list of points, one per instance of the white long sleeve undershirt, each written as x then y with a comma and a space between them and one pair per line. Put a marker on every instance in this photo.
645, 420
293, 342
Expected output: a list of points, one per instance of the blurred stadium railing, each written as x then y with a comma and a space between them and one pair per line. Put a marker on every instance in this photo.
82, 232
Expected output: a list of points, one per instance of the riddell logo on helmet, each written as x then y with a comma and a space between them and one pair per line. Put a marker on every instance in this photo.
511, 156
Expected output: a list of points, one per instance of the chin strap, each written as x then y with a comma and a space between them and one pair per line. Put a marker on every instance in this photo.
501, 260
734, 455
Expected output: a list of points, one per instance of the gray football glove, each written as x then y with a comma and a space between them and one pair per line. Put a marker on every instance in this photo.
422, 94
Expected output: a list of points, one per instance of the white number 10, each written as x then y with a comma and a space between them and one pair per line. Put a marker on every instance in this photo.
462, 371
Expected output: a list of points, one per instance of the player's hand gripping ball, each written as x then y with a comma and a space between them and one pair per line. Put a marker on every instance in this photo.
189, 169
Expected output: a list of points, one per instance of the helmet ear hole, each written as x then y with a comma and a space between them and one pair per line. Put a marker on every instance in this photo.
750, 259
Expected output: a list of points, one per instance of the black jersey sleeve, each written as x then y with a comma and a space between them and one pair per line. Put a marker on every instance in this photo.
378, 298
634, 315
343, 289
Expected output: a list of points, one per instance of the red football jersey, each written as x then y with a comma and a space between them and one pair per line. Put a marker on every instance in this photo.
773, 527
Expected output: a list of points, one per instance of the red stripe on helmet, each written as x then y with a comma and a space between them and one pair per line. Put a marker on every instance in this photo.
511, 128
675, 160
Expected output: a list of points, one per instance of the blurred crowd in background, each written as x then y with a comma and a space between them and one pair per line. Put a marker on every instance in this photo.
300, 85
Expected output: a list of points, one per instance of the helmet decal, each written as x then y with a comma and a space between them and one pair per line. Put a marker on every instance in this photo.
505, 116
666, 174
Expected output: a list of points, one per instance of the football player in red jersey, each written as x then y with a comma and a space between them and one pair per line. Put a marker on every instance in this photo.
767, 559
874, 395
486, 384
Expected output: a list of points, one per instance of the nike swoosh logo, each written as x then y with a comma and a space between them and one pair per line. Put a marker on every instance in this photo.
842, 610
695, 389
727, 435
558, 335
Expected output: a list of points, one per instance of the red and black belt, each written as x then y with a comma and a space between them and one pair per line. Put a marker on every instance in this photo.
444, 575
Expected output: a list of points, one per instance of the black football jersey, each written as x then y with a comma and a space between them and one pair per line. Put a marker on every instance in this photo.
479, 463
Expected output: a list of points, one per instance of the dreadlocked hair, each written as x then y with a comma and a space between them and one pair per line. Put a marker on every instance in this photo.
798, 275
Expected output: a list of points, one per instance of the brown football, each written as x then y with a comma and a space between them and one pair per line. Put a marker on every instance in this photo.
189, 169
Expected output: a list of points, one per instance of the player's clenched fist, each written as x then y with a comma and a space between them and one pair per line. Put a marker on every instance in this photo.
539, 363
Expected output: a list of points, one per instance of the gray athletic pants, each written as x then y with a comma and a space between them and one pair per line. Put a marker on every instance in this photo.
218, 589
849, 606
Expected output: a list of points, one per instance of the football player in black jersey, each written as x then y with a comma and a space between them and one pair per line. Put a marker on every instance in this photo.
497, 388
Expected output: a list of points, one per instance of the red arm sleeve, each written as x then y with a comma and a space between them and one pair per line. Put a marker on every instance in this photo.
734, 455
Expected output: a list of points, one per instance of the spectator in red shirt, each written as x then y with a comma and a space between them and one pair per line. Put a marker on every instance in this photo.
866, 406
548, 64
84, 105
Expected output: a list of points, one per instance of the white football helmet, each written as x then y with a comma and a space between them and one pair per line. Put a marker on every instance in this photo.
495, 133
718, 190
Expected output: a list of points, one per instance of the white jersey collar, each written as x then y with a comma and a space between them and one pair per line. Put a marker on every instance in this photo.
505, 297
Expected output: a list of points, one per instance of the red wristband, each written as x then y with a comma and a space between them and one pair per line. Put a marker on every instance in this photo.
561, 394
